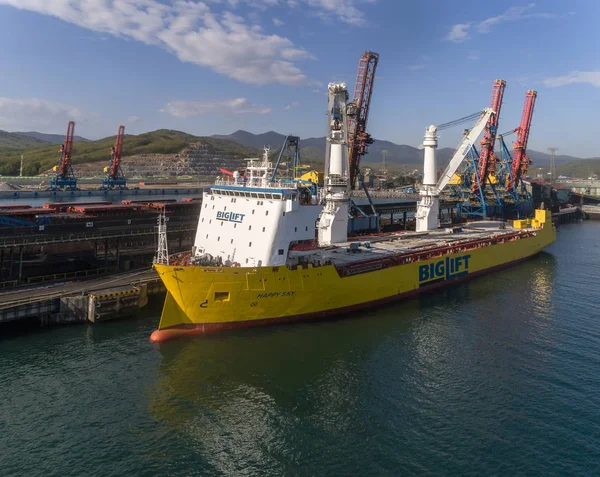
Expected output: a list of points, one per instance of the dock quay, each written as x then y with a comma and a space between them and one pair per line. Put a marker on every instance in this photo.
91, 300
112, 194
72, 240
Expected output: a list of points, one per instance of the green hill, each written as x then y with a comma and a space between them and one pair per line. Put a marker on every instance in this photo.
581, 168
164, 141
17, 141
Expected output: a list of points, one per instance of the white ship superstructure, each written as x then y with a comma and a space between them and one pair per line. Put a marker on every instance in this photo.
253, 220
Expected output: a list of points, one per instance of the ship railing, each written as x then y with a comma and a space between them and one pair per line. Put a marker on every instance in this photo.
255, 183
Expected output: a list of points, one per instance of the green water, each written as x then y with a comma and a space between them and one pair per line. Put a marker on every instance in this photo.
499, 376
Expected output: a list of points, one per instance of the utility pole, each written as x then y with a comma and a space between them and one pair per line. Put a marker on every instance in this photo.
552, 150
21, 169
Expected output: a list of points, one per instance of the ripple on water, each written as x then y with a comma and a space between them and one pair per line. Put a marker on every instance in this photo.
498, 376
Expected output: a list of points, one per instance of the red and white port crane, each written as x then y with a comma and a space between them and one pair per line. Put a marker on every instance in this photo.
358, 137
520, 161
65, 177
115, 179
487, 159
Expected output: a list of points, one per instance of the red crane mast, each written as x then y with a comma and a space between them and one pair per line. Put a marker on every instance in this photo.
487, 158
64, 166
114, 174
65, 177
358, 137
116, 153
520, 162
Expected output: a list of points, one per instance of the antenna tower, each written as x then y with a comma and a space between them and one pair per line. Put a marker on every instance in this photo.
162, 253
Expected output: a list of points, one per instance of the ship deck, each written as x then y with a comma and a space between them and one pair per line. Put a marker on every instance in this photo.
406, 247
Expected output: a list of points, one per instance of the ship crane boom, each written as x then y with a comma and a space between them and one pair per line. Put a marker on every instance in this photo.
358, 137
428, 207
333, 221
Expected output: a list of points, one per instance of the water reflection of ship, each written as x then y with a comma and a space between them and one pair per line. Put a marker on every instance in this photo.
238, 393
236, 396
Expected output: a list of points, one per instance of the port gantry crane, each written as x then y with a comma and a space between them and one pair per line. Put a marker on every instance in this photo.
520, 162
486, 165
291, 147
358, 113
65, 177
115, 179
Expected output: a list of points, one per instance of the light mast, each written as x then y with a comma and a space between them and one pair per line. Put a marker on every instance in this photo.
333, 221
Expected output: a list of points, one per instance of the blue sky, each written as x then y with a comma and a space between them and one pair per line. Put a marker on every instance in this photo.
216, 66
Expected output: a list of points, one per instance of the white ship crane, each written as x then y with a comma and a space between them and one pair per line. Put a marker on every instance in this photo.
428, 208
333, 220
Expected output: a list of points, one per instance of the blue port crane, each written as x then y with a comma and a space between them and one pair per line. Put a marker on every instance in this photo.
115, 179
65, 176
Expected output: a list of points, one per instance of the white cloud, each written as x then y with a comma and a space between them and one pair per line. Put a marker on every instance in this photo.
589, 77
134, 120
473, 57
19, 114
291, 105
205, 33
186, 109
416, 67
277, 22
346, 11
222, 42
459, 33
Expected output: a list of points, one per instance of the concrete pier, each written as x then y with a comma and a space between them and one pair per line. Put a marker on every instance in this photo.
91, 301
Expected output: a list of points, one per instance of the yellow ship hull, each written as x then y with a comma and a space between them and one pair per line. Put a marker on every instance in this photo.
202, 299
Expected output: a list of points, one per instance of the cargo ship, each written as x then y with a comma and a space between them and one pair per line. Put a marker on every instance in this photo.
271, 250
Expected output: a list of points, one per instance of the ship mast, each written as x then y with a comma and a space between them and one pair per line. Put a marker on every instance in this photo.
333, 221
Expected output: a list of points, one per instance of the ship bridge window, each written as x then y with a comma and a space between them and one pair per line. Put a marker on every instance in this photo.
254, 194
261, 196
277, 196
237, 194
